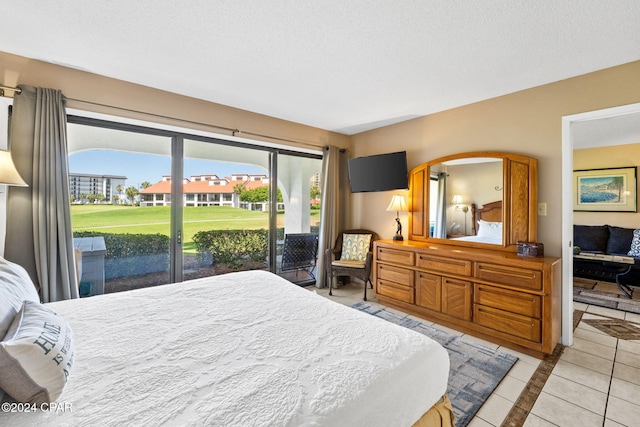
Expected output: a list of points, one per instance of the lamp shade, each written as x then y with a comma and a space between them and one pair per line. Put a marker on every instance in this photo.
397, 204
8, 173
457, 199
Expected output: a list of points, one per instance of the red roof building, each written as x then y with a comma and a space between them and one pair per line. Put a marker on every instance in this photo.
202, 190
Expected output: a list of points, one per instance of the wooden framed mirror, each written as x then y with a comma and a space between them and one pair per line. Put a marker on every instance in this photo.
477, 199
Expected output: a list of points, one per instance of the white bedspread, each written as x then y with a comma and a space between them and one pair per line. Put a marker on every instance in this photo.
242, 349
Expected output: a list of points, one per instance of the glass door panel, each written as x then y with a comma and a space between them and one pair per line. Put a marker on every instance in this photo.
123, 232
298, 222
225, 224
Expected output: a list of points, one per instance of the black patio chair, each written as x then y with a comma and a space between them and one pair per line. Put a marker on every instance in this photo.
300, 252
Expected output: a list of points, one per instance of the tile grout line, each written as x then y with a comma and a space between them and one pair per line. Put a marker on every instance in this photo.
606, 405
523, 405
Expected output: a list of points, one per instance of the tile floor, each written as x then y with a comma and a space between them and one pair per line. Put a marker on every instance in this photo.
596, 382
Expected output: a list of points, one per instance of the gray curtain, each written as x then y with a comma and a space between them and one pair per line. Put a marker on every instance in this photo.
335, 199
440, 228
39, 233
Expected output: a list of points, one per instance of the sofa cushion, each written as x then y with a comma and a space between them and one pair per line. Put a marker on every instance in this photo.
591, 238
619, 240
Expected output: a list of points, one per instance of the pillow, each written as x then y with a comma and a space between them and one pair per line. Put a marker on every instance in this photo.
619, 240
591, 238
36, 355
355, 246
489, 230
15, 287
635, 244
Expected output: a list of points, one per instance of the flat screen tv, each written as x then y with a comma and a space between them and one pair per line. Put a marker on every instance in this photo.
382, 172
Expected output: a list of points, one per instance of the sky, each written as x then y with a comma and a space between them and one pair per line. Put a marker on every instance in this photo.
139, 168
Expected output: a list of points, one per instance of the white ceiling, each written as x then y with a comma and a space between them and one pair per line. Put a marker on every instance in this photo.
341, 65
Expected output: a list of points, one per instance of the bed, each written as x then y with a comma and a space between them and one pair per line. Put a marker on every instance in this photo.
243, 349
486, 224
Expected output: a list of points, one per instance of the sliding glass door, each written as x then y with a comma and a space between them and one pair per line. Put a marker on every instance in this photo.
161, 206
298, 220
125, 242
225, 219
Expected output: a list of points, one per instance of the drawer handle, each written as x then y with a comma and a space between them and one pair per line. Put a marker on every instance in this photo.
446, 261
391, 251
531, 275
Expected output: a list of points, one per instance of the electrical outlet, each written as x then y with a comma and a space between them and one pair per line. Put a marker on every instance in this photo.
542, 209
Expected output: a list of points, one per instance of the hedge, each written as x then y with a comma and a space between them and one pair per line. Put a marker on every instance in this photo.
132, 254
232, 247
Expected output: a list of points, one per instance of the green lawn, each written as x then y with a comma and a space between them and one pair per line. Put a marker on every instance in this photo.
156, 219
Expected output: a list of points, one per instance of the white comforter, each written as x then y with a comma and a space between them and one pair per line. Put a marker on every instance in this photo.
478, 239
243, 349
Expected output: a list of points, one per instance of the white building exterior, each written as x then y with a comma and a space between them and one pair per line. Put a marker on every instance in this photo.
87, 184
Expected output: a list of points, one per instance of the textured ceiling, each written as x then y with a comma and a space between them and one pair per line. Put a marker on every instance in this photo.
341, 65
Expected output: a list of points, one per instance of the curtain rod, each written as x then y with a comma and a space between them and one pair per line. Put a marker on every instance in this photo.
13, 89
234, 132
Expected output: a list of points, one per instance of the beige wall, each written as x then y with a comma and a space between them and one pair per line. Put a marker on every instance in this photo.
129, 98
526, 122
607, 157
90, 92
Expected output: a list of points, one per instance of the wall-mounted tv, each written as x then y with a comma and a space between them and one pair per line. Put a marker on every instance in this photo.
382, 172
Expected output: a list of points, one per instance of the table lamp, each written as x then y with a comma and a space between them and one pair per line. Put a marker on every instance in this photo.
8, 173
457, 200
399, 205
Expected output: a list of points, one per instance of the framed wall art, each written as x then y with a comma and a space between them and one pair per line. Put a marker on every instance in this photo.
605, 190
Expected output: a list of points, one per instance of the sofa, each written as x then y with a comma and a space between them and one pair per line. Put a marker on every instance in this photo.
608, 240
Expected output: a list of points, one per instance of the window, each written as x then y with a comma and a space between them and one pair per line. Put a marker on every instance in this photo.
226, 186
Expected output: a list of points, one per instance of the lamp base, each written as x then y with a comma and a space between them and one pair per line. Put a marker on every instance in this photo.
396, 237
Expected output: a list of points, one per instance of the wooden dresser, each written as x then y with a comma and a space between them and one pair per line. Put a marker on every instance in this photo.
499, 296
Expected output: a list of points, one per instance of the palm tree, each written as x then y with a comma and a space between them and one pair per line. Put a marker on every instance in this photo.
131, 193
145, 185
119, 189
618, 182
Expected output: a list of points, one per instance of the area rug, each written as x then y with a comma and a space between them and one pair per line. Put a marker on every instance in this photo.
604, 294
617, 328
475, 372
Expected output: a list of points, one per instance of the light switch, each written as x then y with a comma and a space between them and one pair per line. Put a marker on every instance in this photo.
542, 209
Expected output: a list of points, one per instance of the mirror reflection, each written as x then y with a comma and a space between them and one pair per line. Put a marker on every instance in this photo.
465, 200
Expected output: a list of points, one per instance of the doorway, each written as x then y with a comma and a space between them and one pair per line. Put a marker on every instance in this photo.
610, 126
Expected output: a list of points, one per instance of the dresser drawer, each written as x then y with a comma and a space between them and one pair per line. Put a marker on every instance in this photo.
515, 302
395, 256
513, 276
402, 276
444, 265
510, 323
395, 291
